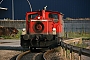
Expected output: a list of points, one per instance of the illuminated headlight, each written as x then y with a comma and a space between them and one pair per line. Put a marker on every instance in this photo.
54, 31
38, 17
23, 31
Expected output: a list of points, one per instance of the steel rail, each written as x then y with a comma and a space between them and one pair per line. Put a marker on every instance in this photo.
50, 54
22, 54
46, 53
34, 55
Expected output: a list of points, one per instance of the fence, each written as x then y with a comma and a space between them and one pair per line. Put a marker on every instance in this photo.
65, 46
19, 24
77, 26
69, 25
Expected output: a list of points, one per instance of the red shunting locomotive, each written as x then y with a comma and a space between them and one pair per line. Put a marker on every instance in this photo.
43, 29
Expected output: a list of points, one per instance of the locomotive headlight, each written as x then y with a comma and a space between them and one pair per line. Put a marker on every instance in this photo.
23, 31
38, 17
54, 31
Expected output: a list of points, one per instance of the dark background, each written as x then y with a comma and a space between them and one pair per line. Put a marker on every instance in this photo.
70, 8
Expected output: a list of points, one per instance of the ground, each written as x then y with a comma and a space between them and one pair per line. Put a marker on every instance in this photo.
8, 54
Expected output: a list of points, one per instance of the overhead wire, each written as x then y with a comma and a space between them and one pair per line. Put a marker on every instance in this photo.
29, 5
1, 1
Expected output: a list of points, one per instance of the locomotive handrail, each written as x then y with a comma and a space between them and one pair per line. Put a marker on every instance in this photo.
41, 20
81, 51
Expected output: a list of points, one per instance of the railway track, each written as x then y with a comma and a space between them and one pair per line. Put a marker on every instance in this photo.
52, 55
48, 55
43, 54
28, 55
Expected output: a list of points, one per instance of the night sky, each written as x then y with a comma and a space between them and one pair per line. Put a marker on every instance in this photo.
70, 8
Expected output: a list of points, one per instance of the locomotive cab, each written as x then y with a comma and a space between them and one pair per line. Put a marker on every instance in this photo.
43, 28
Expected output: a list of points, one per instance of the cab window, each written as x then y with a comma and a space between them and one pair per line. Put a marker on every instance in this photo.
32, 16
54, 16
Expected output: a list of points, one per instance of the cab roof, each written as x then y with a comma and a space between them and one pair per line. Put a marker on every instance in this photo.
48, 11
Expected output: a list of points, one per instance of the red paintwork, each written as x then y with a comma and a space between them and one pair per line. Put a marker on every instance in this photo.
48, 25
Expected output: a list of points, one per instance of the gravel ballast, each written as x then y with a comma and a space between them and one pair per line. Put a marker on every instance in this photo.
8, 54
